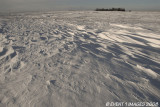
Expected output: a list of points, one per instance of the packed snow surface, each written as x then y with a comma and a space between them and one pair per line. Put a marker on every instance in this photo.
79, 59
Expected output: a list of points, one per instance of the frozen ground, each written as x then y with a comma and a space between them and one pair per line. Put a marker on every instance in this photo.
79, 59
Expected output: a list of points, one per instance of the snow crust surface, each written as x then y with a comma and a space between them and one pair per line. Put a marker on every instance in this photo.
79, 59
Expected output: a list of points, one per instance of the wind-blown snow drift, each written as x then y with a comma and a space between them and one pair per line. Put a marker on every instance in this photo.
79, 59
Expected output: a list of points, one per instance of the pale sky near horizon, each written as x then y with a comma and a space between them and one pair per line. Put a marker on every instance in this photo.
35, 5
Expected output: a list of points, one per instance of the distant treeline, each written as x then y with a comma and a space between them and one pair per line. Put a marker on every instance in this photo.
111, 9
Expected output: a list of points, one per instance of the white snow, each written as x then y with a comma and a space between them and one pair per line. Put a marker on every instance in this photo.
80, 27
79, 59
148, 71
126, 26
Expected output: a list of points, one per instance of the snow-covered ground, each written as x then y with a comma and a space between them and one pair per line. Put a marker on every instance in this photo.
79, 59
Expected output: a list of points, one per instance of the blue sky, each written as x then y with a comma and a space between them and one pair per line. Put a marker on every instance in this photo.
35, 5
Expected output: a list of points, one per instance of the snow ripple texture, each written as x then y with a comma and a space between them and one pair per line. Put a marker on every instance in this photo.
79, 59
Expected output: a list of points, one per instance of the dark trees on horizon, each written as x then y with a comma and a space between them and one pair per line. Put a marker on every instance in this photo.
111, 9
